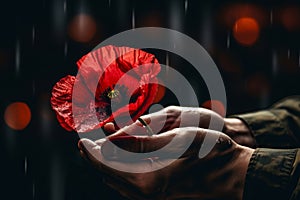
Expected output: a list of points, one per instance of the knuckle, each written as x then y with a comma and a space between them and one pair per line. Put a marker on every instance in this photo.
171, 108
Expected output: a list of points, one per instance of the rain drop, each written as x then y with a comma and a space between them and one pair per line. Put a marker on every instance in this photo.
274, 63
228, 40
33, 34
65, 6
33, 88
271, 16
288, 53
33, 190
66, 49
17, 57
25, 165
186, 4
299, 59
133, 19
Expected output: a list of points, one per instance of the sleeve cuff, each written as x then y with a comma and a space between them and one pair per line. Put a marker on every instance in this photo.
269, 174
267, 128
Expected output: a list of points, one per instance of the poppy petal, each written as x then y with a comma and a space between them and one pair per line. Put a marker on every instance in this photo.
119, 68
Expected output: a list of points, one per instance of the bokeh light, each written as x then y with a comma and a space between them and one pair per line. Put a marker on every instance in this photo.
17, 115
153, 19
215, 105
160, 92
257, 85
232, 12
246, 31
82, 28
290, 18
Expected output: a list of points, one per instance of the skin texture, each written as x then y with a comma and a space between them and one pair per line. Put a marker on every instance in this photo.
219, 175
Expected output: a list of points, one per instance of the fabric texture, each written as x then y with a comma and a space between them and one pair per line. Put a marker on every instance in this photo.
274, 168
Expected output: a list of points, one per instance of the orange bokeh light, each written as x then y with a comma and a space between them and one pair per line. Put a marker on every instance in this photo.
246, 31
257, 85
17, 115
160, 92
82, 28
215, 105
290, 18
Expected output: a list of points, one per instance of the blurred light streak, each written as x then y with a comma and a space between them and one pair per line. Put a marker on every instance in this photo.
33, 191
274, 63
228, 40
33, 34
25, 165
175, 16
264, 100
66, 49
299, 58
109, 3
271, 16
186, 4
33, 88
57, 180
65, 6
59, 17
46, 115
133, 19
18, 57
10, 141
288, 53
206, 29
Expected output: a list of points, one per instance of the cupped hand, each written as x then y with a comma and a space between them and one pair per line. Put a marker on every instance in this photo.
164, 175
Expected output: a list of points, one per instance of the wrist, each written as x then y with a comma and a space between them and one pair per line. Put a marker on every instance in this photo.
239, 131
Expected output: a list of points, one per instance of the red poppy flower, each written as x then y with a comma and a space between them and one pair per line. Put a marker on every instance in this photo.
125, 83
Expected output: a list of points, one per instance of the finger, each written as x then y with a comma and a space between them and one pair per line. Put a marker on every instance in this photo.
179, 142
110, 128
170, 144
93, 153
133, 129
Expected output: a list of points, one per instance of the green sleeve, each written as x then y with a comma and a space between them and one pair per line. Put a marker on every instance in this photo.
278, 126
273, 174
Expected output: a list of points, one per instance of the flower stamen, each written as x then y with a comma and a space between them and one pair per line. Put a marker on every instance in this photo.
113, 94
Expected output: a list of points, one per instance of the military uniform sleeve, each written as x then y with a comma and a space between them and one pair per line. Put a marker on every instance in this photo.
273, 174
278, 126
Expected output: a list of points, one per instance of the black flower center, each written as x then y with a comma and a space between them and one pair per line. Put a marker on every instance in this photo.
112, 99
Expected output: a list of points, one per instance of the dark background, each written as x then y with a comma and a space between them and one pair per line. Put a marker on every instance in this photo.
40, 43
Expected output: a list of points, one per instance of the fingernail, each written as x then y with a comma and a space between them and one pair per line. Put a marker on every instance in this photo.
224, 143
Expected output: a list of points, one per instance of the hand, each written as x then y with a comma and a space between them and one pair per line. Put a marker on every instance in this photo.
175, 116
219, 175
